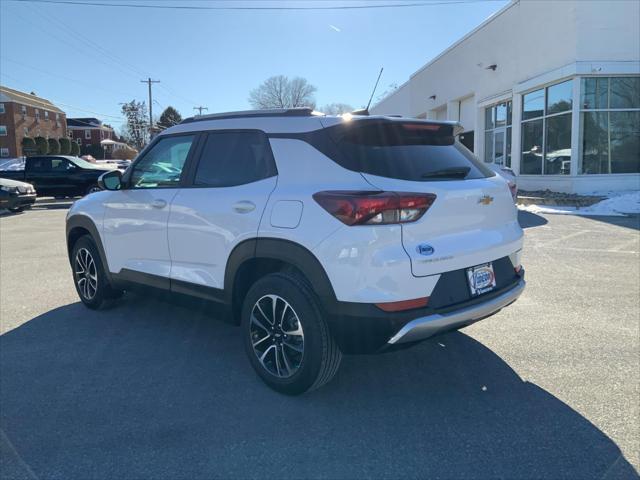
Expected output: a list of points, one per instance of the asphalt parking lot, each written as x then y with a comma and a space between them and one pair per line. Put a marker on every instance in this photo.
547, 388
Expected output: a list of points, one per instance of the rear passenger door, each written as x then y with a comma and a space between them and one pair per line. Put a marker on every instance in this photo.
221, 205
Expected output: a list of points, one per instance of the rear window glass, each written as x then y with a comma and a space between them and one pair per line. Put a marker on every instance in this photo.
404, 150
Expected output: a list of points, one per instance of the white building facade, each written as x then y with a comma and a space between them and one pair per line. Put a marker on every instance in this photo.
550, 89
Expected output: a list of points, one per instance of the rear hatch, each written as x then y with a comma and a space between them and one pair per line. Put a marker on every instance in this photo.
473, 219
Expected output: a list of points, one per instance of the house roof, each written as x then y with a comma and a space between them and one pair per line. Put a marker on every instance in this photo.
8, 95
84, 122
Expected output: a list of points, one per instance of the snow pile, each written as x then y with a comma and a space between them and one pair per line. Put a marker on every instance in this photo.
616, 205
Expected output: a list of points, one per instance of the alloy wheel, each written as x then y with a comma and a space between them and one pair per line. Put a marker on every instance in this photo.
86, 274
276, 336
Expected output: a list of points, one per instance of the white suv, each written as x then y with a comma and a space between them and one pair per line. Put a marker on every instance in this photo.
320, 234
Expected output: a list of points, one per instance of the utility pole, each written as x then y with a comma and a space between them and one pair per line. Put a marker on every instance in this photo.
200, 109
148, 81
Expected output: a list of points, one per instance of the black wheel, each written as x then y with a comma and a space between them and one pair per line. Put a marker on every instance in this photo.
89, 276
286, 338
16, 209
92, 189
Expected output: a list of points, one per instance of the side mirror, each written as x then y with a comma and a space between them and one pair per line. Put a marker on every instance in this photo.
110, 180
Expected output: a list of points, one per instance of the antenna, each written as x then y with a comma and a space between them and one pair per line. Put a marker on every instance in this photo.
365, 111
374, 89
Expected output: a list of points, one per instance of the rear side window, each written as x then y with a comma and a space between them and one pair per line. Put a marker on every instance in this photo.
404, 150
40, 164
234, 158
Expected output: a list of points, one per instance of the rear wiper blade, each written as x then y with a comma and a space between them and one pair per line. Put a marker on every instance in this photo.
454, 172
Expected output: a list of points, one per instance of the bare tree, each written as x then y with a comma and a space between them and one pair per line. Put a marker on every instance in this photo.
282, 92
135, 131
337, 108
390, 89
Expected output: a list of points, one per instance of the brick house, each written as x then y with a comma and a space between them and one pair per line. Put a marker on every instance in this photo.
88, 132
27, 115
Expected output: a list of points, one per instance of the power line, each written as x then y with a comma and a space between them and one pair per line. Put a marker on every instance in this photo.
249, 8
80, 109
117, 62
69, 79
72, 45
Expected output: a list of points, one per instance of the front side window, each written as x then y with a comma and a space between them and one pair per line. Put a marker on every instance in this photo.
234, 158
61, 165
610, 125
546, 130
161, 167
497, 135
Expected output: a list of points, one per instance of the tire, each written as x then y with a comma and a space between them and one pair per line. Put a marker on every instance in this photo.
296, 353
92, 189
16, 209
89, 276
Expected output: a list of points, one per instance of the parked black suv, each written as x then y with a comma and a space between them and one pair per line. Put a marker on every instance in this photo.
58, 175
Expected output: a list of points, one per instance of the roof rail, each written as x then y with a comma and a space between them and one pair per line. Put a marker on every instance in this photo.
272, 112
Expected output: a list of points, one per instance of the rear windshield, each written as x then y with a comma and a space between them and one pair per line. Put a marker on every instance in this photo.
414, 151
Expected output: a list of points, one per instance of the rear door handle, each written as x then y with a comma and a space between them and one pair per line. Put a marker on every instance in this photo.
159, 203
244, 206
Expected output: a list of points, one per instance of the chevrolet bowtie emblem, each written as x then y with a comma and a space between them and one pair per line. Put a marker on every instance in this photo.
485, 200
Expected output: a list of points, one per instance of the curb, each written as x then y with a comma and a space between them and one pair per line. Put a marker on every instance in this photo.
560, 202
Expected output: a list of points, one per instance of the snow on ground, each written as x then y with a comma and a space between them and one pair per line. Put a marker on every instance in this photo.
617, 205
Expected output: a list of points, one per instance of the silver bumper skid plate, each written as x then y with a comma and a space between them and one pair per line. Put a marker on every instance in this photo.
425, 327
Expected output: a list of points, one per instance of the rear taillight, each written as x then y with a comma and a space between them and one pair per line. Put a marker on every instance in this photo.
374, 208
403, 305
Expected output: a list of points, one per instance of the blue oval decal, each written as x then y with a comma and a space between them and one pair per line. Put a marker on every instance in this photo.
425, 249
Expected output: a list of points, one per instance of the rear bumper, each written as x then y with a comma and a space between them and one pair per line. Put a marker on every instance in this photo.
364, 328
430, 325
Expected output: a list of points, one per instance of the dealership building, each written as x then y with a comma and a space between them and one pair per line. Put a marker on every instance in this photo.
550, 89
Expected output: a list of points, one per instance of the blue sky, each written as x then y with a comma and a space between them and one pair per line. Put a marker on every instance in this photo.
88, 59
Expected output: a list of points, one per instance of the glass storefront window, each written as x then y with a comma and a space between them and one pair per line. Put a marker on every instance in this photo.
531, 160
625, 92
559, 97
501, 115
488, 147
497, 136
546, 140
595, 93
557, 155
533, 104
489, 122
610, 125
